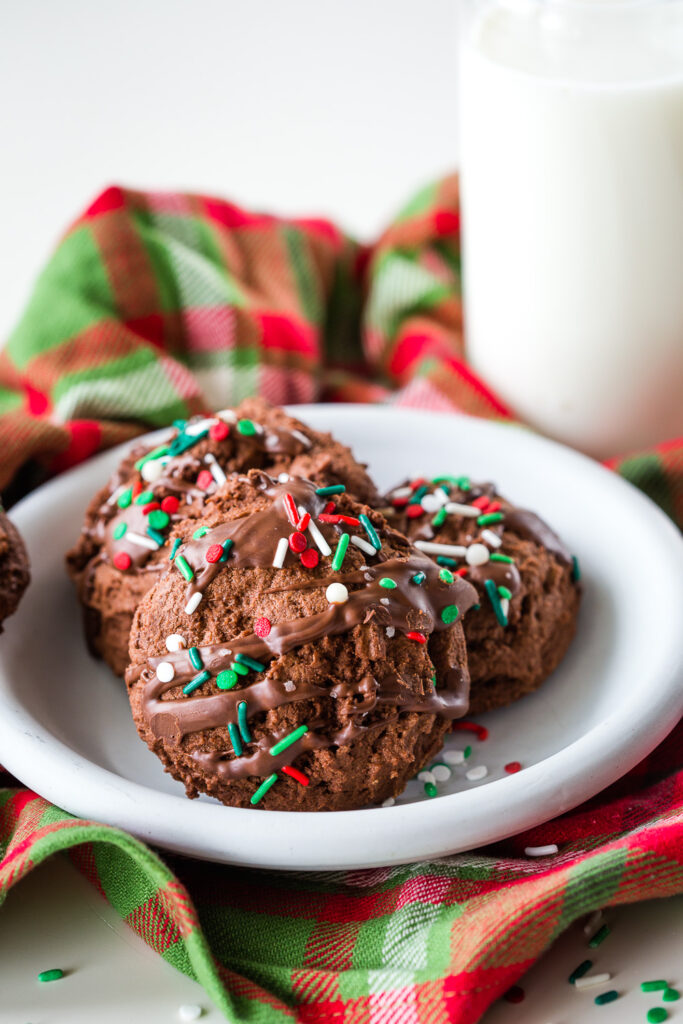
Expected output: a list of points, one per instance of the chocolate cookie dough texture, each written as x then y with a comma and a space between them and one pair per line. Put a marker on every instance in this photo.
526, 579
288, 658
14, 570
122, 547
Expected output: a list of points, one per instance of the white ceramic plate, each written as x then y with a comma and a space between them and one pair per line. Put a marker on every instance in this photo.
66, 731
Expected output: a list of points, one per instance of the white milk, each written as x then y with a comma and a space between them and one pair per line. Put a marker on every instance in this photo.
572, 192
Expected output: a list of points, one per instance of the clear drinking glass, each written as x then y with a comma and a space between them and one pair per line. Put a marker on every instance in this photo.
572, 209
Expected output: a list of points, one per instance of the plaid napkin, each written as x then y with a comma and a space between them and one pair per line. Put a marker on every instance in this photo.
155, 306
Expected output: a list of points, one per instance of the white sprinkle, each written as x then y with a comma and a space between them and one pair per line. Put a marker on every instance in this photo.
189, 1012
456, 509
368, 576
477, 554
441, 772
426, 776
192, 429
402, 492
384, 600
540, 851
593, 924
430, 548
364, 568
301, 437
390, 631
216, 471
491, 538
188, 498
337, 593
320, 542
228, 415
474, 774
175, 642
280, 553
165, 672
141, 540
433, 502
283, 478
363, 545
505, 606
389, 802
453, 756
193, 603
289, 685
113, 498
589, 980
151, 470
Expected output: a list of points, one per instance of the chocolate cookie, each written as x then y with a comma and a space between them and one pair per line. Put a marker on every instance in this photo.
121, 549
14, 571
288, 657
526, 579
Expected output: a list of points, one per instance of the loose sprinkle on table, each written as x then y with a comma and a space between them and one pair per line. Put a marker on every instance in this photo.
425, 776
54, 974
441, 772
263, 788
657, 1014
606, 997
592, 924
515, 994
474, 774
541, 851
579, 971
463, 725
591, 980
453, 756
512, 767
599, 937
430, 789
189, 1012
288, 741
653, 986
671, 995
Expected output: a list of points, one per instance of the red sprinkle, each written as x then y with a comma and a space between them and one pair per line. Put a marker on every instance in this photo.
418, 483
481, 731
214, 553
219, 431
303, 522
419, 637
325, 517
514, 995
297, 542
204, 480
414, 511
481, 502
309, 558
399, 502
461, 572
262, 627
512, 767
294, 773
170, 505
137, 489
495, 506
122, 561
151, 507
330, 507
290, 509
351, 520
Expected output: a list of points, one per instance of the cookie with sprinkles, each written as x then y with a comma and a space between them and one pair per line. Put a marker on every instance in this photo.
267, 678
14, 568
526, 579
123, 542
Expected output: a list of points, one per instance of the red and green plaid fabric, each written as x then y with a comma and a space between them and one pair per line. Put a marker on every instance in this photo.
155, 306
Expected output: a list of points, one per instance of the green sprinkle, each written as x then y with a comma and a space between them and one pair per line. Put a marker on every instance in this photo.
340, 552
144, 498
445, 560
174, 550
388, 583
440, 517
579, 971
418, 579
492, 592
490, 517
334, 489
183, 567
599, 937
151, 456
226, 679
576, 571
657, 1014
417, 496
195, 683
446, 480
246, 428
504, 592
124, 500
185, 441
671, 995
155, 535
264, 787
653, 986
52, 975
227, 544
158, 519
119, 531
198, 534
244, 659
495, 557
373, 536
606, 997
289, 740
449, 614
446, 576
235, 739
241, 670
195, 658
242, 720
466, 752
430, 789
179, 425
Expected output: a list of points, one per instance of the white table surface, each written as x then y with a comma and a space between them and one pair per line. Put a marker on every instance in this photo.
298, 107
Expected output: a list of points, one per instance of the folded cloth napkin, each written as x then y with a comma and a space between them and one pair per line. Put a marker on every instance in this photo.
155, 306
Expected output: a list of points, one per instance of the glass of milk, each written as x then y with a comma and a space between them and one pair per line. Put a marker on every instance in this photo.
572, 210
